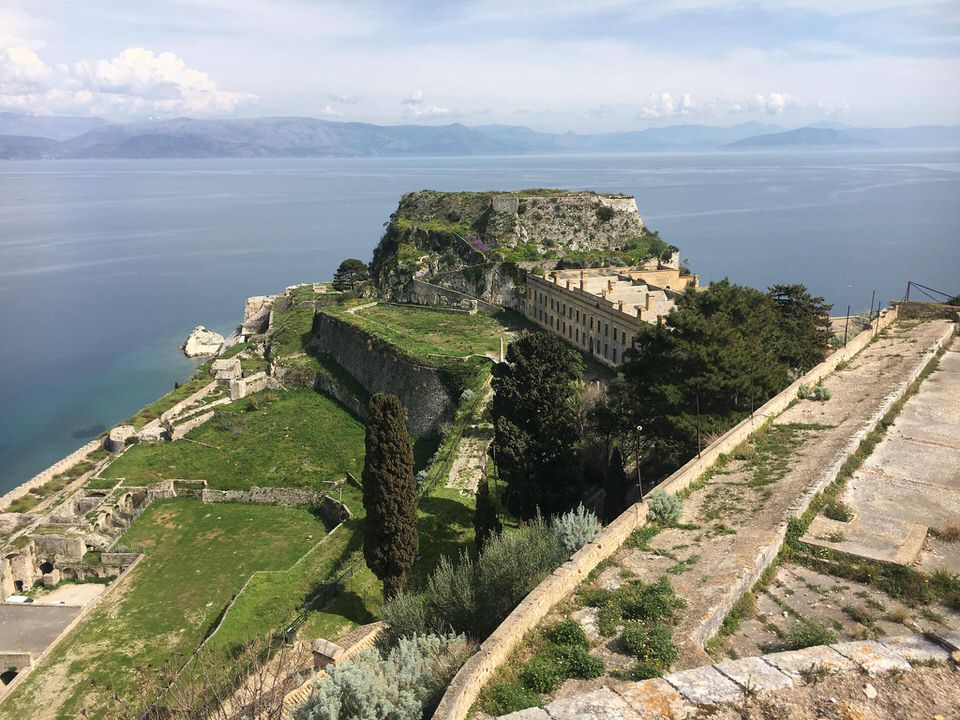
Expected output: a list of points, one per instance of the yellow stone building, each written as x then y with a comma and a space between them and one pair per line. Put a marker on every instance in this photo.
599, 310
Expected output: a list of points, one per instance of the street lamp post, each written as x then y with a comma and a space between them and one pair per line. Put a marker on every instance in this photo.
639, 483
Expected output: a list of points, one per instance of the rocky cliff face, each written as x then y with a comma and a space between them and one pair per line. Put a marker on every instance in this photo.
480, 243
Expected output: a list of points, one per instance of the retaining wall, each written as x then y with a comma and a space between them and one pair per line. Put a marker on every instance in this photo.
466, 685
330, 507
379, 369
44, 477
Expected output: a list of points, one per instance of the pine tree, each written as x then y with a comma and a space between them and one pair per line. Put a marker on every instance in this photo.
390, 541
350, 272
485, 520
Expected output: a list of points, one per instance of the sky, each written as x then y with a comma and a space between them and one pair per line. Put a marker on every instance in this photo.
554, 65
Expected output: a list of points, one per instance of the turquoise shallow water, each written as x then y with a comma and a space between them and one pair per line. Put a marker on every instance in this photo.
105, 266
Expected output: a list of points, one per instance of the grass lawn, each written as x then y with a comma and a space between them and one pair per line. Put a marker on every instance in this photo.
197, 557
423, 332
296, 438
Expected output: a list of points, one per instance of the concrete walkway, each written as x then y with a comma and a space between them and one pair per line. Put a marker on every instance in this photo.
911, 480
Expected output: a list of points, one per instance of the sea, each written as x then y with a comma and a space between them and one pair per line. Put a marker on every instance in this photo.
106, 266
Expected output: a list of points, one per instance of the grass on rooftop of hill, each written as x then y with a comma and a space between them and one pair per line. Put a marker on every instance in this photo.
426, 332
269, 439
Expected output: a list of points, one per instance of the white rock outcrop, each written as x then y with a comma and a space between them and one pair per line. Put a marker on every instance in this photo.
202, 342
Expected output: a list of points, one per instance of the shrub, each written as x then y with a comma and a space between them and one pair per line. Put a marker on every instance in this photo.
510, 566
466, 396
566, 632
663, 508
576, 528
605, 213
803, 392
807, 633
541, 673
653, 602
821, 393
508, 696
651, 644
403, 685
405, 616
838, 510
451, 594
576, 662
645, 671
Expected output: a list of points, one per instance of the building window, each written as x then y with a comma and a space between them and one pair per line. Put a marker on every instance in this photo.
614, 355
591, 323
614, 334
577, 334
578, 316
606, 330
605, 348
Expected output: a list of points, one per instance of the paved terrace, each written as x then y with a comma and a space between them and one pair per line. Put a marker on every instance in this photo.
735, 516
911, 481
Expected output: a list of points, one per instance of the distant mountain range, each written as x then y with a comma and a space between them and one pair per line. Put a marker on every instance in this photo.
50, 137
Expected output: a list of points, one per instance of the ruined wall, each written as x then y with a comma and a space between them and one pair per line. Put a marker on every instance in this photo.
242, 387
331, 508
375, 366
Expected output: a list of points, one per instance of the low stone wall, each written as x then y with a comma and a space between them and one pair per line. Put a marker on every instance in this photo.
180, 430
119, 559
331, 508
187, 402
425, 293
245, 386
466, 685
44, 477
339, 392
378, 368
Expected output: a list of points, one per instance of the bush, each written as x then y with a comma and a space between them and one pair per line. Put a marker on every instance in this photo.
646, 671
576, 662
821, 393
803, 392
466, 396
541, 673
654, 602
651, 644
576, 528
403, 685
506, 697
510, 566
451, 594
605, 213
807, 633
664, 508
838, 510
405, 616
566, 632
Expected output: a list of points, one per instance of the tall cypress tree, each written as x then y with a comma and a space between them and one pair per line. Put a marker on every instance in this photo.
485, 520
390, 541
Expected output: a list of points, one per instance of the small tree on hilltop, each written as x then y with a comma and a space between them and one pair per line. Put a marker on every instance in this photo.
390, 540
350, 272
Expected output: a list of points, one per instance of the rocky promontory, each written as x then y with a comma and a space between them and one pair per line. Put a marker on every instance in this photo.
202, 342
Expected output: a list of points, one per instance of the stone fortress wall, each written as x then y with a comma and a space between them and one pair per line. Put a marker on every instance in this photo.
496, 649
379, 369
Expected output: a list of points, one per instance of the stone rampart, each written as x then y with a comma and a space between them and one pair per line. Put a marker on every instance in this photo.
466, 685
242, 387
425, 293
377, 367
339, 392
331, 508
40, 479
120, 559
187, 402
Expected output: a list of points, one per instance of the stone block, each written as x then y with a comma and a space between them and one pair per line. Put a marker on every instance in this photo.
654, 699
602, 704
794, 662
754, 674
534, 713
952, 637
872, 656
704, 685
916, 648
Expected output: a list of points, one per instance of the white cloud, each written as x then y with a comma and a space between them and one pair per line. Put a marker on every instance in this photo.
343, 99
772, 104
329, 111
136, 83
416, 107
664, 106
